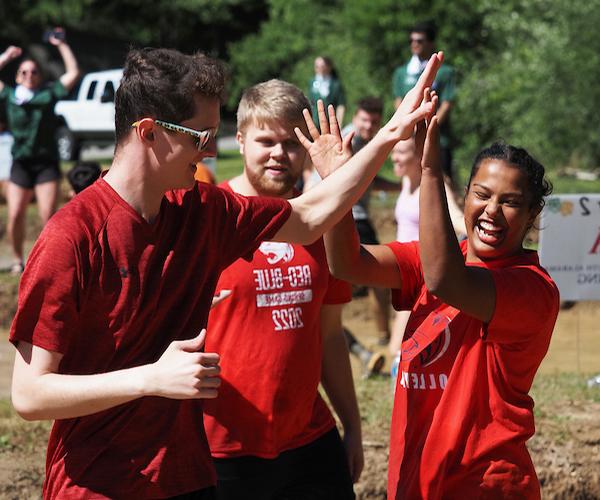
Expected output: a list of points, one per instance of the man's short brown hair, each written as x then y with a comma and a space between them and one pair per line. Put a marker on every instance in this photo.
162, 83
370, 104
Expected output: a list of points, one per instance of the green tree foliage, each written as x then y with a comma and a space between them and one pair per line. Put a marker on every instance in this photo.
537, 87
527, 68
187, 25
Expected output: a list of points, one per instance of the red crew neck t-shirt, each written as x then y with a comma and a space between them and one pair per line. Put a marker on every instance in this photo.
110, 291
462, 413
268, 333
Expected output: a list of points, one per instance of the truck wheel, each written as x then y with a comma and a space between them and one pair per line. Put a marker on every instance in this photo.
68, 147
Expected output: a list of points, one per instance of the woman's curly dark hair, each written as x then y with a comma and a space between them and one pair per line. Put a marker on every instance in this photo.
538, 186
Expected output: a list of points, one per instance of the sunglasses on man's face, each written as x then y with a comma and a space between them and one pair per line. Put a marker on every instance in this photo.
420, 41
201, 137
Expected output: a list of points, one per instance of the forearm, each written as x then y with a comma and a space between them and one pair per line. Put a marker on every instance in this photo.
71, 74
52, 396
441, 257
5, 58
336, 378
371, 265
39, 391
342, 245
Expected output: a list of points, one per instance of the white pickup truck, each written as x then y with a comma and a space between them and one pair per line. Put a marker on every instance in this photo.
89, 118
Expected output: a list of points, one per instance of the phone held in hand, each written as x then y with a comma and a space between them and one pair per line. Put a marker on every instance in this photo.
58, 34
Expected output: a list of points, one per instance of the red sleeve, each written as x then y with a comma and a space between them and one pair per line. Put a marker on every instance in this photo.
244, 221
257, 219
527, 303
338, 292
409, 262
47, 313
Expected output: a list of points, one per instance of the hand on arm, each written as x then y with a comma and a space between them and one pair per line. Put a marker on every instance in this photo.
39, 392
320, 208
71, 74
468, 288
336, 377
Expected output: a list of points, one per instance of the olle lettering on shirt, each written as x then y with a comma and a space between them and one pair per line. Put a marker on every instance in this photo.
422, 381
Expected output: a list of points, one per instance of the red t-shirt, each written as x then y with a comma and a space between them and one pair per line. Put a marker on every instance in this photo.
268, 333
462, 413
110, 291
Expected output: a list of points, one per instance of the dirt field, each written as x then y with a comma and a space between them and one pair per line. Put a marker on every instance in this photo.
565, 449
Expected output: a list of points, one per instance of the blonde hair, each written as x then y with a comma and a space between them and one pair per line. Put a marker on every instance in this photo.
272, 101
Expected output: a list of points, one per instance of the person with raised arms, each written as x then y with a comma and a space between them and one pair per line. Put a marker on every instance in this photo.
117, 290
35, 169
482, 315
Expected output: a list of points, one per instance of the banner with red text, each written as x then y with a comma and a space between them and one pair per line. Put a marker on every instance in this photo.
570, 244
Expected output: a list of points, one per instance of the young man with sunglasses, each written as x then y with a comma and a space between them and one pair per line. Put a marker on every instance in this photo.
117, 290
422, 45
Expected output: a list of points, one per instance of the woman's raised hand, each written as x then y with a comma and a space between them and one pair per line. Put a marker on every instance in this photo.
328, 151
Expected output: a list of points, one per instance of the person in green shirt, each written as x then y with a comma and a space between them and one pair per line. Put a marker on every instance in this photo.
325, 85
30, 115
422, 45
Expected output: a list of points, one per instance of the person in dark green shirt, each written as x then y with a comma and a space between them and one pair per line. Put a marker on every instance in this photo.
422, 45
30, 116
325, 85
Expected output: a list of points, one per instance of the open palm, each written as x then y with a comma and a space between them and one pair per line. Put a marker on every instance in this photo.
328, 151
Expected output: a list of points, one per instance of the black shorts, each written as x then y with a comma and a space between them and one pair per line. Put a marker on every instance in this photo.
28, 172
366, 232
316, 471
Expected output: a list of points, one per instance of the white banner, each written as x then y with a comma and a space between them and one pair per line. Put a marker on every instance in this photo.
570, 244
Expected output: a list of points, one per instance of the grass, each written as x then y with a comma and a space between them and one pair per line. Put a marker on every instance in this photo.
375, 400
229, 164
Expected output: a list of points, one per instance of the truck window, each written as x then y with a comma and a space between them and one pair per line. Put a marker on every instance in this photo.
91, 90
109, 92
